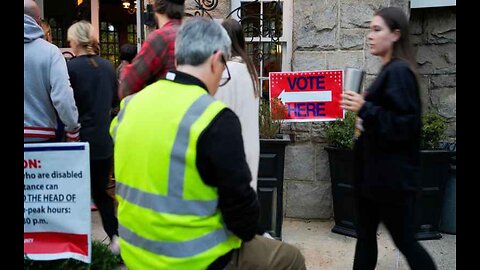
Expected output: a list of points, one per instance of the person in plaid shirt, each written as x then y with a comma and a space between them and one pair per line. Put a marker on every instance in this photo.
156, 57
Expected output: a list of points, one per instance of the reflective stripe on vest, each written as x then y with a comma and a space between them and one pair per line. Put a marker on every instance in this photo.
175, 249
166, 204
176, 171
120, 115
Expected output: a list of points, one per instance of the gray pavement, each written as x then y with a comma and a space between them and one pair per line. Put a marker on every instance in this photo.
330, 251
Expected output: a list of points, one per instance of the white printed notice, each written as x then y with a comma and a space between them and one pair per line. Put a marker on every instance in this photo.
56, 201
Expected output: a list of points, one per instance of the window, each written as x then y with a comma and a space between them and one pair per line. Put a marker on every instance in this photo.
268, 30
132, 34
61, 14
57, 32
109, 42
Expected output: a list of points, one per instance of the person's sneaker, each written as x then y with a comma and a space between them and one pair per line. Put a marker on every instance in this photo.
115, 245
267, 235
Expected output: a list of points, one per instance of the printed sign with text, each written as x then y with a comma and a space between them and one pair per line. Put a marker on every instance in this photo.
307, 96
56, 201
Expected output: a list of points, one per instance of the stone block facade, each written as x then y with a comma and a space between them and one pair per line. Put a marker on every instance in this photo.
434, 36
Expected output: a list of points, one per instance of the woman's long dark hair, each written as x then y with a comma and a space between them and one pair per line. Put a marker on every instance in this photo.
235, 31
396, 19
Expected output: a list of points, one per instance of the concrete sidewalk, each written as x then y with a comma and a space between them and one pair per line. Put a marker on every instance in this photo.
324, 250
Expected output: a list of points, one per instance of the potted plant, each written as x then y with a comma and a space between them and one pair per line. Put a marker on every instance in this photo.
271, 166
434, 173
433, 131
270, 121
435, 166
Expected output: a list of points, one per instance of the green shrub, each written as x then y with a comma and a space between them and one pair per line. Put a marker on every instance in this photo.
339, 133
270, 123
102, 259
433, 130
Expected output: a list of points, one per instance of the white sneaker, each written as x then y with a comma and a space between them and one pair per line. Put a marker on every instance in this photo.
115, 245
267, 235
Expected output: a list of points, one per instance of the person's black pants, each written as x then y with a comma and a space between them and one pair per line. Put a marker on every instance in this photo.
100, 176
400, 222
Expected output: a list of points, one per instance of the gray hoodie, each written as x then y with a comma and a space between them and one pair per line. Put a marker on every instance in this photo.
46, 89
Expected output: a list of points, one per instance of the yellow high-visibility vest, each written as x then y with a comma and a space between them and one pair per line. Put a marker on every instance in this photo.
168, 217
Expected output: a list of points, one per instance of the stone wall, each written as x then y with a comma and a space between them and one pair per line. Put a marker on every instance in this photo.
433, 31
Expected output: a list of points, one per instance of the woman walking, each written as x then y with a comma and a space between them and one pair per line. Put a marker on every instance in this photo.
387, 152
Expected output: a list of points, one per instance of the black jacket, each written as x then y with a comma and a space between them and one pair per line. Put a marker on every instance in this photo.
221, 163
95, 87
387, 153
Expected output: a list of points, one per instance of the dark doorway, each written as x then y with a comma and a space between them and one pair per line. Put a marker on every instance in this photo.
60, 14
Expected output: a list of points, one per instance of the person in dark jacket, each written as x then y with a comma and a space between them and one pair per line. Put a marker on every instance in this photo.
183, 183
94, 84
387, 152
128, 51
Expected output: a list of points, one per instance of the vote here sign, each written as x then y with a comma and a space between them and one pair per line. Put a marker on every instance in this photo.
308, 96
56, 201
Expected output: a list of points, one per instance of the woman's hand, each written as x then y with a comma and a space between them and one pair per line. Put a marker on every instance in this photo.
352, 101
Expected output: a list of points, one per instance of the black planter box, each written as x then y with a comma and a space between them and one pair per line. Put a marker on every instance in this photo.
434, 174
341, 174
270, 184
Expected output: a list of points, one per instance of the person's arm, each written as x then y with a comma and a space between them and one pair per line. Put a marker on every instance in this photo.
144, 66
221, 163
61, 94
398, 118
